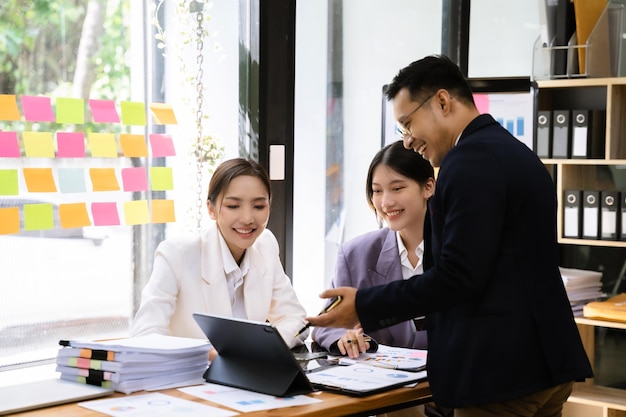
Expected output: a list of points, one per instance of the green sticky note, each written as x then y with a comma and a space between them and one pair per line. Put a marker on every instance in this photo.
8, 182
133, 113
38, 217
70, 110
161, 179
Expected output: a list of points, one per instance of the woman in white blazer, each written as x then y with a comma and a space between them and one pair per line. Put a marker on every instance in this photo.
231, 269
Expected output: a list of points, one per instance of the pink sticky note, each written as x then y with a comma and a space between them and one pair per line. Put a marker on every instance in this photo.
104, 111
482, 103
105, 214
37, 109
161, 145
9, 145
70, 145
135, 179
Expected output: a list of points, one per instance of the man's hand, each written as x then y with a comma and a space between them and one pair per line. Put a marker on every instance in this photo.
342, 316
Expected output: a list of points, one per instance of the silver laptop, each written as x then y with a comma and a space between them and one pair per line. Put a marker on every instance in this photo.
46, 393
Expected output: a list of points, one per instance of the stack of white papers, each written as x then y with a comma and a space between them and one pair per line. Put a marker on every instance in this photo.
582, 287
138, 363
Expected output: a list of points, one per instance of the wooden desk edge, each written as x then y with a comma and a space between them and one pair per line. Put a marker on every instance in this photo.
332, 405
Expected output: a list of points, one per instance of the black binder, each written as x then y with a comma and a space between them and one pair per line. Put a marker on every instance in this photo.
543, 144
252, 356
560, 134
572, 213
609, 203
622, 218
581, 134
591, 214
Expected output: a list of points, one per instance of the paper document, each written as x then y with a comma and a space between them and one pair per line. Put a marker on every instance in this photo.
392, 358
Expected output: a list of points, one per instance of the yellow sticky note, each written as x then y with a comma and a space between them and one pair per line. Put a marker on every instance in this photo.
161, 179
163, 114
103, 179
70, 110
9, 220
39, 180
133, 145
38, 217
136, 212
163, 211
102, 145
73, 215
38, 144
8, 107
133, 113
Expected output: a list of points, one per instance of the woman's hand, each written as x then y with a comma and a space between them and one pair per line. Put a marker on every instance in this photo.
353, 343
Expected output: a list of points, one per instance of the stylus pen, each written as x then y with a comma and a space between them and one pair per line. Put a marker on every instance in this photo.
334, 303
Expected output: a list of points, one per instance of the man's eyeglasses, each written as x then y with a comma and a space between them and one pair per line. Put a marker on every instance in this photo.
402, 129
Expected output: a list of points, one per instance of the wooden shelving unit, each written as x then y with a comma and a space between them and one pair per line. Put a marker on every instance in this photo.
609, 95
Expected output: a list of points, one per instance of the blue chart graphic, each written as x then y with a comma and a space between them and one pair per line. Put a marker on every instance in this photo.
514, 126
394, 375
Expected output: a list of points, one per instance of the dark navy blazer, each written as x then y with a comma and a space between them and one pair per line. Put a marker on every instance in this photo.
500, 325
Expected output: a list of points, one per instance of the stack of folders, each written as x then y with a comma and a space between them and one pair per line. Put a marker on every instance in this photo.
582, 287
148, 362
594, 215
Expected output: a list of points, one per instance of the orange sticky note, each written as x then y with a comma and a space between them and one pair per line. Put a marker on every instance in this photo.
163, 211
163, 114
104, 179
38, 144
8, 107
133, 113
136, 212
39, 180
9, 220
102, 145
73, 215
133, 145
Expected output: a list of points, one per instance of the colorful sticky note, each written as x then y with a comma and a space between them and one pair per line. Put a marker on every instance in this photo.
37, 109
162, 145
103, 179
163, 114
105, 214
163, 211
38, 144
161, 179
70, 145
136, 212
134, 179
9, 145
9, 220
71, 180
8, 107
38, 216
133, 145
102, 145
103, 111
8, 182
73, 215
70, 110
39, 180
133, 113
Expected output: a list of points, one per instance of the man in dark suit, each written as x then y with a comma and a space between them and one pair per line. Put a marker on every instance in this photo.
502, 340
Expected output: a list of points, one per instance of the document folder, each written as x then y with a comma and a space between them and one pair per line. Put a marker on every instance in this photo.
253, 356
543, 145
591, 214
572, 213
608, 215
561, 134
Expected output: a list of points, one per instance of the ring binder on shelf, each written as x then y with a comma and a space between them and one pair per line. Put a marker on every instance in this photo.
572, 214
609, 201
591, 214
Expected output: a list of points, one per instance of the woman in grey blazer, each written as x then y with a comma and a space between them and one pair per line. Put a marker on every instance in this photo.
399, 184
232, 268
